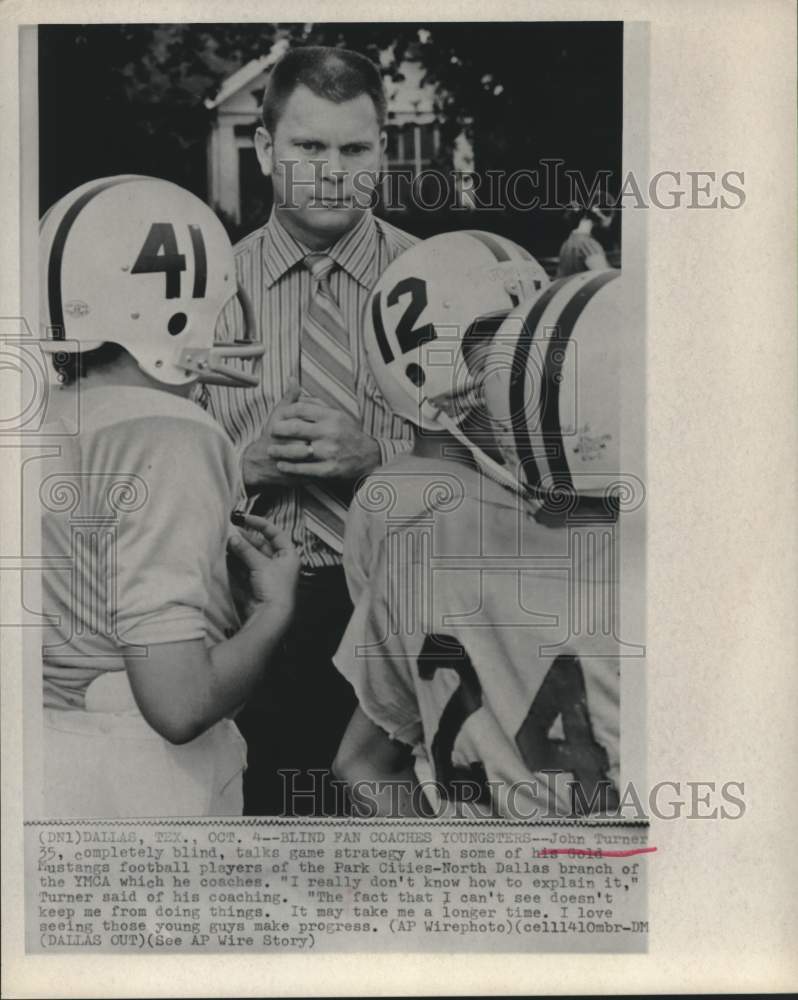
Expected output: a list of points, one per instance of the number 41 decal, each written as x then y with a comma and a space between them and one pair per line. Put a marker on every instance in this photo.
160, 253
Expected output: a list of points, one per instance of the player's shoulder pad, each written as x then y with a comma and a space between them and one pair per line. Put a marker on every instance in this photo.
117, 405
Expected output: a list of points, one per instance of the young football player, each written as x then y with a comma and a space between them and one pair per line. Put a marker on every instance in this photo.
145, 659
484, 567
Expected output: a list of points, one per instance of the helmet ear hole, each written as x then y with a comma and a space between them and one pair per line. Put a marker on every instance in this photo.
177, 323
416, 375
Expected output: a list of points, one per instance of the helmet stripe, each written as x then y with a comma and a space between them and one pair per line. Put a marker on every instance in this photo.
552, 371
523, 443
54, 298
487, 240
497, 250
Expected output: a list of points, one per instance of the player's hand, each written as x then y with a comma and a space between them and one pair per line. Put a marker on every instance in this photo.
259, 468
270, 562
313, 440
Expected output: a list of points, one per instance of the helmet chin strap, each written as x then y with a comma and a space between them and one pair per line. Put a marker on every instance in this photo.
498, 473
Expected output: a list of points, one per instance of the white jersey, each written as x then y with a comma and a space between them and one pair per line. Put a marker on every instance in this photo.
486, 639
135, 518
135, 501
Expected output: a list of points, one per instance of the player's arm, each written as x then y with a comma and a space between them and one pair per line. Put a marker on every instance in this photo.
183, 688
378, 771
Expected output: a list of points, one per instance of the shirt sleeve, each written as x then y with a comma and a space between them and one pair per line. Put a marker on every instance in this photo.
365, 533
373, 658
170, 548
230, 324
393, 434
377, 666
216, 399
357, 546
241, 412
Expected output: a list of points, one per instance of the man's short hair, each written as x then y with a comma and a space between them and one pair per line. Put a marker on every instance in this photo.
335, 74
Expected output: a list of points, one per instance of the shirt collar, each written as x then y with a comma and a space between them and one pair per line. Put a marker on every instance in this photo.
355, 252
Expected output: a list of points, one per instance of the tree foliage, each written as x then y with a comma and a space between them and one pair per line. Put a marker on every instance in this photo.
119, 98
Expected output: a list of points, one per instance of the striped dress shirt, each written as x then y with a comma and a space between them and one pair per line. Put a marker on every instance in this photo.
269, 267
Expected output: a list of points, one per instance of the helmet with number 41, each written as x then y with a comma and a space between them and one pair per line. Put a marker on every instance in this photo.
142, 263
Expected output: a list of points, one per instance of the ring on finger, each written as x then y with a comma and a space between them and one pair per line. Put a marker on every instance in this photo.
309, 446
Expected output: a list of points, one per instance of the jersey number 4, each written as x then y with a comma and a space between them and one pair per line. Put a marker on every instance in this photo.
562, 693
160, 254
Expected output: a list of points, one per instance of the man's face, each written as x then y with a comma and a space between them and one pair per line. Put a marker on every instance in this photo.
323, 159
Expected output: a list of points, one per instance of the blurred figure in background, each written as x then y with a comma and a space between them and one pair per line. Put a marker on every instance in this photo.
583, 250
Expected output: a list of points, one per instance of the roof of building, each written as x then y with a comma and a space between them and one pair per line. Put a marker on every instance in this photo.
246, 74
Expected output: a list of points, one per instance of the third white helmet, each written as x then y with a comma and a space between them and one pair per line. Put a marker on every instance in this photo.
552, 385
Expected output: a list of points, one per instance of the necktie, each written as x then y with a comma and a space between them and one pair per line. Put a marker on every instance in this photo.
326, 372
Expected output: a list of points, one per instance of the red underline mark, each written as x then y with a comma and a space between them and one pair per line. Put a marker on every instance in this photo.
599, 853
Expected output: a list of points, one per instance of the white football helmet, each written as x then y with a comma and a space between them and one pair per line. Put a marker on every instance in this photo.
552, 386
430, 306
142, 263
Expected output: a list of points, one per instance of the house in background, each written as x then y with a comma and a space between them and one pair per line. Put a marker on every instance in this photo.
235, 183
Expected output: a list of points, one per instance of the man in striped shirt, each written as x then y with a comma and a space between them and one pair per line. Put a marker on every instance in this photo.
318, 423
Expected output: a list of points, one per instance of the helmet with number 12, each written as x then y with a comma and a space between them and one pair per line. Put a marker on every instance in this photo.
429, 318
469, 318
433, 303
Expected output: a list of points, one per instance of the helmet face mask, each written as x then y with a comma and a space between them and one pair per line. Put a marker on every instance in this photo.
144, 264
209, 363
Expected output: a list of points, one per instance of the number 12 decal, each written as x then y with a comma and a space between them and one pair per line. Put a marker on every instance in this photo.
160, 253
561, 693
409, 336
